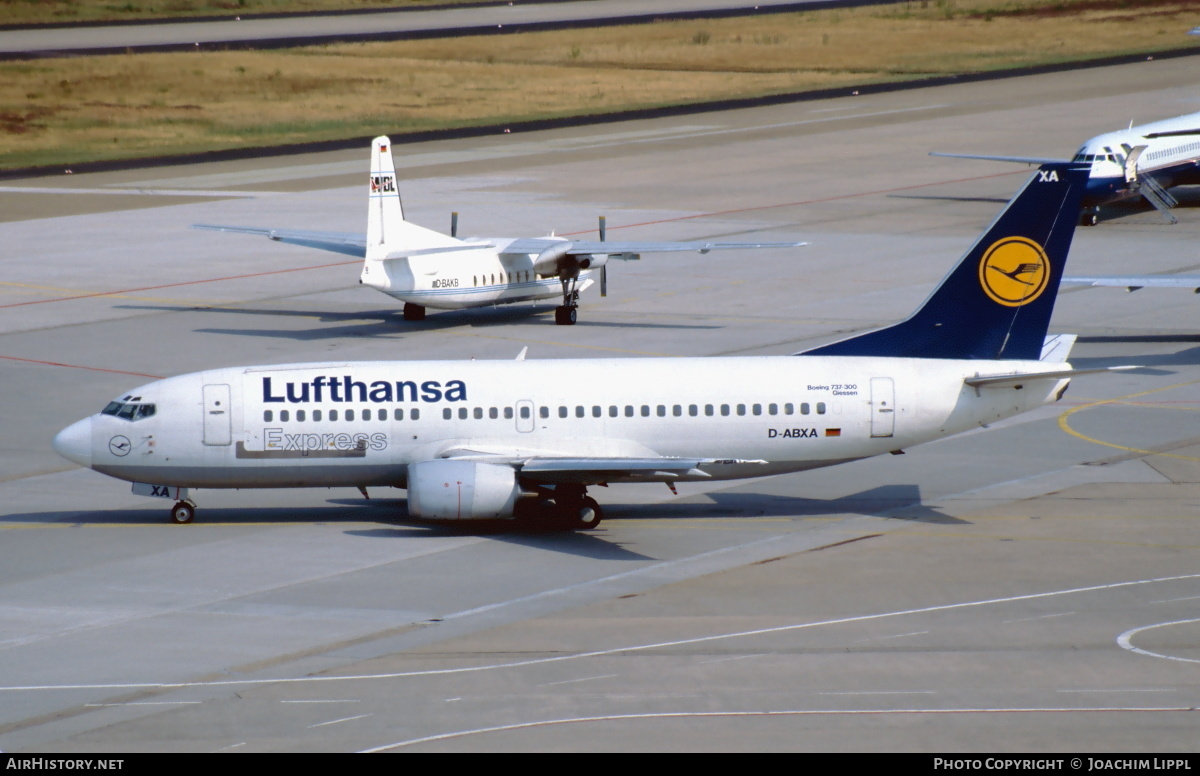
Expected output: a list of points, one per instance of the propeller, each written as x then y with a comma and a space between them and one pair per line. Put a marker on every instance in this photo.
454, 224
604, 267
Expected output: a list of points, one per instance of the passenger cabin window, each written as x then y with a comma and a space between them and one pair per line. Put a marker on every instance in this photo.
544, 412
284, 415
317, 416
397, 414
562, 411
300, 415
333, 414
268, 416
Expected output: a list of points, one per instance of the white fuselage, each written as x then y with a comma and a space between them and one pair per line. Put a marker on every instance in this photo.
465, 278
363, 423
1173, 159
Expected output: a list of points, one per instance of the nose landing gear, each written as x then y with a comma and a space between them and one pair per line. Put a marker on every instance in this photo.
183, 512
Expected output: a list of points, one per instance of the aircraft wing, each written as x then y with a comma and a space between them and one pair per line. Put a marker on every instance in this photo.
617, 250
547, 467
351, 244
1134, 282
1016, 159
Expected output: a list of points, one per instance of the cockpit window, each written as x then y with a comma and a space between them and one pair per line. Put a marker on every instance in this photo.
129, 410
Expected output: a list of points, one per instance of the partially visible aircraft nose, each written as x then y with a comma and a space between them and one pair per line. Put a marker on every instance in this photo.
75, 442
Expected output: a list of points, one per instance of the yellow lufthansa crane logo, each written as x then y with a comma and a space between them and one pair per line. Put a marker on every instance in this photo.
1014, 271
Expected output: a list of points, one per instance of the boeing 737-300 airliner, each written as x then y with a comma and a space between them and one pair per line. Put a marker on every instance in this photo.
474, 439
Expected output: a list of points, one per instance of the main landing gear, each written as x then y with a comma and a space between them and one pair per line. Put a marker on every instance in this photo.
564, 314
183, 512
574, 508
1090, 217
414, 312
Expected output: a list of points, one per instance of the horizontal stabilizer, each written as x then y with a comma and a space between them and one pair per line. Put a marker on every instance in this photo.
1057, 347
1014, 159
1002, 381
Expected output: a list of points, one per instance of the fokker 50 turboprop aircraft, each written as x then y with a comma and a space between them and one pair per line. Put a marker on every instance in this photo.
1141, 161
424, 268
471, 439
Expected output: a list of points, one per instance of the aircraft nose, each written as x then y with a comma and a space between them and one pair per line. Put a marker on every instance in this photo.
75, 442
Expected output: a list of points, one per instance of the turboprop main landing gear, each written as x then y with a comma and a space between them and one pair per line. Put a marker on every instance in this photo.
414, 312
183, 512
565, 314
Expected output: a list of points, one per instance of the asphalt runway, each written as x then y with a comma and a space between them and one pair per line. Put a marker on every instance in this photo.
1029, 587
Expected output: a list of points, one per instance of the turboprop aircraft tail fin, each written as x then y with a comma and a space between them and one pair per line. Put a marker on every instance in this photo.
387, 231
996, 303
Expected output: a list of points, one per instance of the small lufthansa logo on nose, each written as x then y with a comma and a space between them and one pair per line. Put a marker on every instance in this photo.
119, 445
1014, 271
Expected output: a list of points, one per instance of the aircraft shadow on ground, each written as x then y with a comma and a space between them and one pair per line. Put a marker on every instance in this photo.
389, 322
891, 501
1156, 364
882, 501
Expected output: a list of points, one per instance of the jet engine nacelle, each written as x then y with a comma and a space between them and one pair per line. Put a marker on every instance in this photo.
461, 490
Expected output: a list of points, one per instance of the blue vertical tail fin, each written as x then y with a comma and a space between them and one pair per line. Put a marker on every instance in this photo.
997, 301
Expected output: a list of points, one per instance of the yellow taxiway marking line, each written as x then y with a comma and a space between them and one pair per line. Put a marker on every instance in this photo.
1065, 426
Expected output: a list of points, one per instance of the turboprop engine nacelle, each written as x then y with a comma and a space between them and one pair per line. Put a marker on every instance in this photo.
461, 490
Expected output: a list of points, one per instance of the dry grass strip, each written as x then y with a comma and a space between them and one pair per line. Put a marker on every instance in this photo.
65, 111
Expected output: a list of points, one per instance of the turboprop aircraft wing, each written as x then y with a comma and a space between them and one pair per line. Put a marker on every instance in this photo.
348, 243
